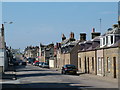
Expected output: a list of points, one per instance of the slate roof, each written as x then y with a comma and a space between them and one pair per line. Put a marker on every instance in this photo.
90, 44
113, 31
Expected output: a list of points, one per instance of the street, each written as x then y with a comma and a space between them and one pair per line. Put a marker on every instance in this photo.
36, 77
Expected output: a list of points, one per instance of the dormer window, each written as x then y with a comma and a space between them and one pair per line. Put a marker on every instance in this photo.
106, 39
111, 39
103, 41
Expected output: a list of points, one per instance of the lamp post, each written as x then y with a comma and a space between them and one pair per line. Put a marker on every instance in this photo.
4, 26
10, 52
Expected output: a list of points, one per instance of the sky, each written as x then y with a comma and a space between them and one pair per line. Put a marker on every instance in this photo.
45, 22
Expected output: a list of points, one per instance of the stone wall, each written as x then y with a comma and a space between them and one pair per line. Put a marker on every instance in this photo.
111, 53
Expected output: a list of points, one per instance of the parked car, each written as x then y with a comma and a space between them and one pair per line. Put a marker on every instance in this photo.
30, 60
45, 65
24, 63
40, 64
36, 63
69, 69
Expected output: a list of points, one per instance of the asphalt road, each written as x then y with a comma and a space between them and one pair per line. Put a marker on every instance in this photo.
36, 77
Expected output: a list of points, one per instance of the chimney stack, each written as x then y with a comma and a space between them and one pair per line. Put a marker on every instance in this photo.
119, 21
82, 37
115, 25
63, 37
93, 30
118, 24
2, 30
72, 35
95, 34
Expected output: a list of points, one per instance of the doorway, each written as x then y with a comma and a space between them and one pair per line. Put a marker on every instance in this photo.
114, 66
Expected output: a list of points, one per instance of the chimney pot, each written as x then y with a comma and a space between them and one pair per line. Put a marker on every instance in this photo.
93, 30
63, 37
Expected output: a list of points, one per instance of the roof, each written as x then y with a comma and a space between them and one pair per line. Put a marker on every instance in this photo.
113, 31
65, 41
90, 44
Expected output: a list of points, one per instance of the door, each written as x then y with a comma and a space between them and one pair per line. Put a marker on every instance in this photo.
88, 66
85, 66
114, 66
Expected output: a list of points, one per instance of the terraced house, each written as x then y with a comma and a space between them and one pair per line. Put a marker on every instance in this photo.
87, 54
46, 52
67, 54
101, 54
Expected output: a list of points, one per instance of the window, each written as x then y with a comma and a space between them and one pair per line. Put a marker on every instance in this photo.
111, 39
93, 63
103, 41
99, 63
80, 62
108, 64
100, 42
106, 39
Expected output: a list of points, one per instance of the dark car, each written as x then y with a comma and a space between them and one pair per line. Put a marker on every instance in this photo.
69, 69
45, 65
30, 60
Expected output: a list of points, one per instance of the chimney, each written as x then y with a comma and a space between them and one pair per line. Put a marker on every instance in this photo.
93, 30
119, 21
63, 37
2, 30
72, 35
119, 24
82, 37
95, 34
115, 25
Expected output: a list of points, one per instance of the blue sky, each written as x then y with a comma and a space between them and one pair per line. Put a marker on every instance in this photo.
39, 22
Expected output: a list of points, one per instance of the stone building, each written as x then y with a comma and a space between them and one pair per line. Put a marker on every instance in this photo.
46, 52
67, 54
3, 53
87, 54
31, 52
100, 55
110, 45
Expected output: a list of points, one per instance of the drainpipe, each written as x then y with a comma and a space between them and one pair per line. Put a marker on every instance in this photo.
95, 62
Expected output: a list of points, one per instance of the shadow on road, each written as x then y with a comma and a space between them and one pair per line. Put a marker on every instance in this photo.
31, 70
36, 74
44, 85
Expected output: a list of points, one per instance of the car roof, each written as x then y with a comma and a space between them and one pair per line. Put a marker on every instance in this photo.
69, 65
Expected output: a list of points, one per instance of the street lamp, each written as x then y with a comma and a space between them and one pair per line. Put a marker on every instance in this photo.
4, 26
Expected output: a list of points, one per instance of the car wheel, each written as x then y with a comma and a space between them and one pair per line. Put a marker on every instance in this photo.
75, 73
64, 72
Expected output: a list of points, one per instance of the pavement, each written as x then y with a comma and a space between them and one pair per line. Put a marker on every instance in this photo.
92, 76
9, 74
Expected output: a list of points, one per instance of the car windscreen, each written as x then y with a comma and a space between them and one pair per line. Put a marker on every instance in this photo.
70, 66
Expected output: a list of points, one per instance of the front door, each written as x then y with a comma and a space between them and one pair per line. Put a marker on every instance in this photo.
85, 66
88, 65
114, 65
